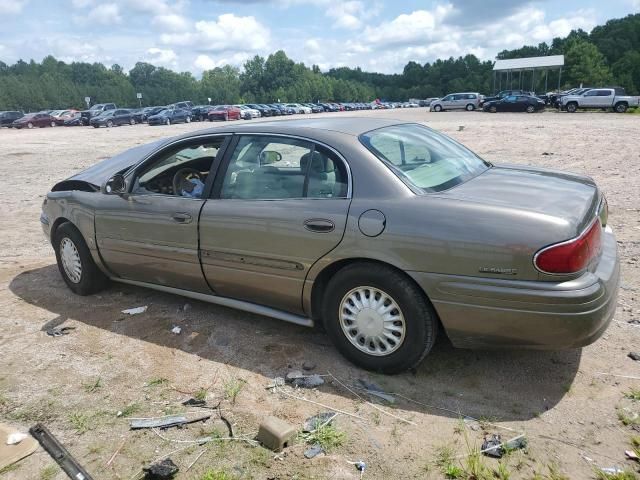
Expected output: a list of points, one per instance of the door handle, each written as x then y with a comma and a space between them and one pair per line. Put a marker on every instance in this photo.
181, 217
319, 225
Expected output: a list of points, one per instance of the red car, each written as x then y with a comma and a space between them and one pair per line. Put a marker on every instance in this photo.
225, 112
31, 120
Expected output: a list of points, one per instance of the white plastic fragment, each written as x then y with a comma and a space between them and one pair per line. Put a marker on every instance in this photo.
15, 438
135, 310
176, 330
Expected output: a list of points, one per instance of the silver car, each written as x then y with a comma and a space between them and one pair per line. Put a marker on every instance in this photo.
457, 101
384, 232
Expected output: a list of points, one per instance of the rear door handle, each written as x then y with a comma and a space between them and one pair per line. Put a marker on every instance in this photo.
319, 225
181, 217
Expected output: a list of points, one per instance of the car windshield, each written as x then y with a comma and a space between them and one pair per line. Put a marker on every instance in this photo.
97, 107
423, 158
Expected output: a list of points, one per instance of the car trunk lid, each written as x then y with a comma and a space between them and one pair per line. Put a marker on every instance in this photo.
569, 198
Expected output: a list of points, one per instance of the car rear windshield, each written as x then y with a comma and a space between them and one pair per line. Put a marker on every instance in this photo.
423, 158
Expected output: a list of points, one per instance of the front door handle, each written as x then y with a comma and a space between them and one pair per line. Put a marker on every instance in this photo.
181, 217
319, 225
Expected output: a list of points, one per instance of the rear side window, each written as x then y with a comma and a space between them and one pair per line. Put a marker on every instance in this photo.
604, 93
270, 168
423, 158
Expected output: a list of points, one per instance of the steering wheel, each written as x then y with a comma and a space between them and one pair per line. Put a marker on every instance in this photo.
182, 176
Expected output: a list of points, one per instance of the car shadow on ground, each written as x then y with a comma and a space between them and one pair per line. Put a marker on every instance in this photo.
504, 385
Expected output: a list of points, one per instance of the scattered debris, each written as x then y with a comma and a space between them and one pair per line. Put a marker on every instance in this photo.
176, 330
115, 454
186, 307
194, 462
164, 422
631, 455
67, 463
135, 310
162, 470
308, 366
547, 153
460, 128
612, 470
634, 356
314, 451
192, 402
275, 434
298, 379
16, 437
360, 466
12, 453
59, 331
321, 419
376, 391
277, 382
492, 447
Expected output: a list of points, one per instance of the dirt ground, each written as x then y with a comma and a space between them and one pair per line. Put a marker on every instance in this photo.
566, 402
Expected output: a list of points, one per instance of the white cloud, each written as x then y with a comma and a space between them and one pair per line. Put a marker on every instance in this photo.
347, 14
162, 57
229, 33
12, 7
105, 14
171, 21
205, 62
82, 3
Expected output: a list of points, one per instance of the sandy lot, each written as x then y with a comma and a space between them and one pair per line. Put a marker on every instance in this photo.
76, 384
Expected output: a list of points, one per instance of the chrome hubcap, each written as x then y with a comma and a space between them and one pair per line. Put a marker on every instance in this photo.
372, 321
70, 260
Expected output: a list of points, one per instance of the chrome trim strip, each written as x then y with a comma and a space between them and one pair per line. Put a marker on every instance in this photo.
225, 302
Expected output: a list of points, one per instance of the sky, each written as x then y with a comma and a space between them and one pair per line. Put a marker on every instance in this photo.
376, 35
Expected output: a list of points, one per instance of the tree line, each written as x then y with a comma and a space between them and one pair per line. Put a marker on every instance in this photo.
608, 55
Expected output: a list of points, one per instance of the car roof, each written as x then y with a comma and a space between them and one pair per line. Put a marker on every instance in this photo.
350, 126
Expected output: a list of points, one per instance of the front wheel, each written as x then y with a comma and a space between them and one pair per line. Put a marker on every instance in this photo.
29, 125
621, 108
378, 318
132, 121
109, 124
437, 108
168, 122
188, 120
493, 109
531, 109
572, 108
75, 263
53, 124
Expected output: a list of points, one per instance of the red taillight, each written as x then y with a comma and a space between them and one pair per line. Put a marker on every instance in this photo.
572, 256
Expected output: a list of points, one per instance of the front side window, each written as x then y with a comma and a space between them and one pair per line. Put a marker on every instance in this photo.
179, 171
423, 158
591, 93
266, 168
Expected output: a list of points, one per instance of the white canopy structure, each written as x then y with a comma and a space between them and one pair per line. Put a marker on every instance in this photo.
523, 65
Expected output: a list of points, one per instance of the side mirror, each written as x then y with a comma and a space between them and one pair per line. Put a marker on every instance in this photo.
268, 157
116, 185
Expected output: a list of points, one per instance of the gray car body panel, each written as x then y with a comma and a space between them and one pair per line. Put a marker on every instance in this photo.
469, 248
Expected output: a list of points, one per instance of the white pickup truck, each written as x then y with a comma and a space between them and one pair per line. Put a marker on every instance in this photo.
599, 98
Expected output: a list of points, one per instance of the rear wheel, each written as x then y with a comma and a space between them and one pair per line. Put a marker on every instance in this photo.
75, 263
378, 318
470, 108
29, 125
621, 107
493, 109
53, 124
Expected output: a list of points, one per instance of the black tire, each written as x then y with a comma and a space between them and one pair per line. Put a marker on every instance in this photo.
109, 123
621, 107
91, 280
421, 324
530, 109
493, 109
572, 107
437, 108
470, 108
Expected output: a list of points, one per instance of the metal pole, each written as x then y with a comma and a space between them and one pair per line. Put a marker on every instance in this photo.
533, 77
546, 77
494, 81
500, 79
559, 78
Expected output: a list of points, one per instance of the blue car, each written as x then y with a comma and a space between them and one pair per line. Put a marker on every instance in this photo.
169, 116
